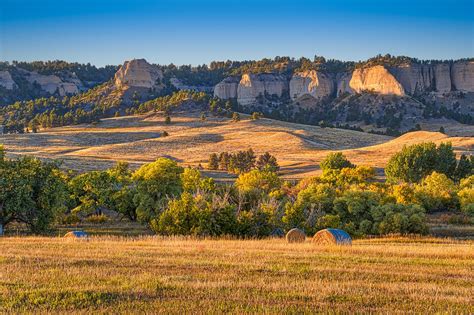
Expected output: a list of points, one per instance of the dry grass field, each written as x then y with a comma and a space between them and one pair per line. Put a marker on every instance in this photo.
298, 148
176, 275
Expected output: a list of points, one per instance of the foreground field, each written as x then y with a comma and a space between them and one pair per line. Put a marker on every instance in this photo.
137, 139
109, 275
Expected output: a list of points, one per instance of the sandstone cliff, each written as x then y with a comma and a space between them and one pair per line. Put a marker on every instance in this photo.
342, 83
313, 83
227, 88
52, 83
414, 78
6, 80
462, 76
377, 79
138, 73
253, 86
442, 77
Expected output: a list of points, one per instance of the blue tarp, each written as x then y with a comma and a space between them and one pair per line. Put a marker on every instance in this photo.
341, 236
79, 233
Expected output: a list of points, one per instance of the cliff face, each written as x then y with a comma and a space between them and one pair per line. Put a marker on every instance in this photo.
312, 83
414, 78
138, 73
227, 88
53, 83
6, 80
442, 77
253, 86
342, 83
462, 76
377, 79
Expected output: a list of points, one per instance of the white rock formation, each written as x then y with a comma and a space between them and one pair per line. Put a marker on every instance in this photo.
227, 88
6, 80
377, 79
51, 83
343, 80
313, 83
252, 86
462, 76
138, 73
415, 78
442, 76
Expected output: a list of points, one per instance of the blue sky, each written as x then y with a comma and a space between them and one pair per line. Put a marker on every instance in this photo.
199, 31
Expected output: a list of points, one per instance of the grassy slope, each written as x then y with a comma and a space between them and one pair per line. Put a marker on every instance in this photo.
299, 148
201, 276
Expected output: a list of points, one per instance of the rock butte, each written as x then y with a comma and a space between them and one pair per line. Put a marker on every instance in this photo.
408, 79
314, 83
138, 73
251, 86
377, 79
6, 80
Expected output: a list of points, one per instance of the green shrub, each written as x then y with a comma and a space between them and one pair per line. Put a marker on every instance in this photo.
436, 192
417, 161
466, 195
155, 182
335, 161
194, 215
398, 218
311, 203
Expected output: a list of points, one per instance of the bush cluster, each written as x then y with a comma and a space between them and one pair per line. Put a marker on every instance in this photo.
174, 200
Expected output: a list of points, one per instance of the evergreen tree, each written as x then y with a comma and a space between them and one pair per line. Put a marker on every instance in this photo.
213, 162
224, 159
267, 162
463, 169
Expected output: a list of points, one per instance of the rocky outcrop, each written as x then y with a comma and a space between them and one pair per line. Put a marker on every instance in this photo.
253, 86
6, 80
462, 76
313, 83
406, 79
138, 73
342, 83
227, 88
442, 77
377, 79
52, 83
415, 78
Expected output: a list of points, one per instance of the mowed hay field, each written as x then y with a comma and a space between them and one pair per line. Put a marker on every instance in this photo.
137, 139
176, 275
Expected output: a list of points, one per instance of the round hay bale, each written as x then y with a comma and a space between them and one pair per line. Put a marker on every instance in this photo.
76, 234
332, 237
295, 236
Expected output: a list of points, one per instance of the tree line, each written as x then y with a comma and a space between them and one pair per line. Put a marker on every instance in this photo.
242, 162
174, 200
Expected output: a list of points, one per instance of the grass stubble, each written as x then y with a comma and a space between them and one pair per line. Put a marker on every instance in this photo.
186, 275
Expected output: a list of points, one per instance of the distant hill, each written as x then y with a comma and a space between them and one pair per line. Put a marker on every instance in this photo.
138, 139
384, 94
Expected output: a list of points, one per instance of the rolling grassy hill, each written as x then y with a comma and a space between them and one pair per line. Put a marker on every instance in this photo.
137, 139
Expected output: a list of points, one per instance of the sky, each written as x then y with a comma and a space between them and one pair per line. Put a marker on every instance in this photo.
198, 31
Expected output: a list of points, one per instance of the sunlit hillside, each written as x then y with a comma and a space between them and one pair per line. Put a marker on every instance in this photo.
138, 139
